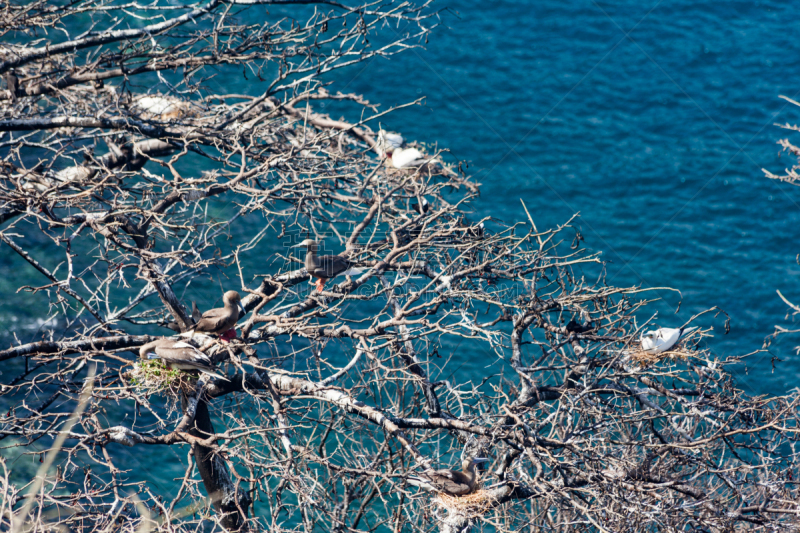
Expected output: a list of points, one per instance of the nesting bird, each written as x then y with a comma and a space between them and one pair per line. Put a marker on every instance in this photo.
325, 267
663, 339
178, 354
221, 320
450, 482
161, 107
406, 158
391, 146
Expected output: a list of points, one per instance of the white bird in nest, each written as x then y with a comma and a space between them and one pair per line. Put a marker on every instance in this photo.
391, 145
161, 107
662, 339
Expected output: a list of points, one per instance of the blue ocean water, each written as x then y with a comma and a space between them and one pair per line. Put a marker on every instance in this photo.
653, 120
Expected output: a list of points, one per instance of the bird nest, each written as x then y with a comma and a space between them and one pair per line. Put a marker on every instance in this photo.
645, 359
471, 505
153, 376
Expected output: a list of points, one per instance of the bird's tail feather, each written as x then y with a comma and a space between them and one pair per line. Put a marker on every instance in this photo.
687, 331
353, 271
189, 333
211, 373
421, 483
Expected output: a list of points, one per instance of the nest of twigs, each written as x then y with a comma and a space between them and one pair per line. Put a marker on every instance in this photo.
152, 376
470, 505
644, 359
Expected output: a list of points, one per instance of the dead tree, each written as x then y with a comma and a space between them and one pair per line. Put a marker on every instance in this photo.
792, 177
127, 176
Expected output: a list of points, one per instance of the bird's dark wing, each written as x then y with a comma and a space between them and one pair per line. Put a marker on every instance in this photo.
215, 313
182, 353
443, 481
448, 474
212, 320
186, 356
421, 207
330, 266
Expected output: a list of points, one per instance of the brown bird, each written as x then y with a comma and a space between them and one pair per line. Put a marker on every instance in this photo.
179, 354
220, 320
450, 482
12, 82
325, 267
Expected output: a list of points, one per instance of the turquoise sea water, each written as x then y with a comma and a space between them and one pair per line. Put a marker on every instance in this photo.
653, 120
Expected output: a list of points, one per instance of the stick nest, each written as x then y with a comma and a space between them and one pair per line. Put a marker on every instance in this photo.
152, 376
645, 359
470, 505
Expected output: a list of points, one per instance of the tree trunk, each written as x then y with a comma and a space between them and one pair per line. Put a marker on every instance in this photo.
230, 502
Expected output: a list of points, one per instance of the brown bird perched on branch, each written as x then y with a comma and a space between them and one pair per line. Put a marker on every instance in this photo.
450, 482
179, 354
12, 82
221, 320
325, 267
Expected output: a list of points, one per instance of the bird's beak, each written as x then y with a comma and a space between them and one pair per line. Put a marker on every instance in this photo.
241, 306
298, 245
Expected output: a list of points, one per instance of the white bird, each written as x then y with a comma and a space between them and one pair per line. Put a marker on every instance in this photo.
445, 283
161, 107
407, 158
391, 145
663, 339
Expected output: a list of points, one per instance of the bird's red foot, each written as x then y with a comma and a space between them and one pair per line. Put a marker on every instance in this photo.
320, 283
229, 335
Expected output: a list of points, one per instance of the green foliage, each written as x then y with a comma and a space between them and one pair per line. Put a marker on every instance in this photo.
152, 375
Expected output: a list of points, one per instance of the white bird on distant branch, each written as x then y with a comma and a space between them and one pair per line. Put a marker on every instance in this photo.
161, 107
663, 339
390, 145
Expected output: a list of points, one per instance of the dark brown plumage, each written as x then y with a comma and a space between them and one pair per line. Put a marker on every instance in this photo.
178, 354
422, 207
218, 321
325, 267
450, 482
13, 85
